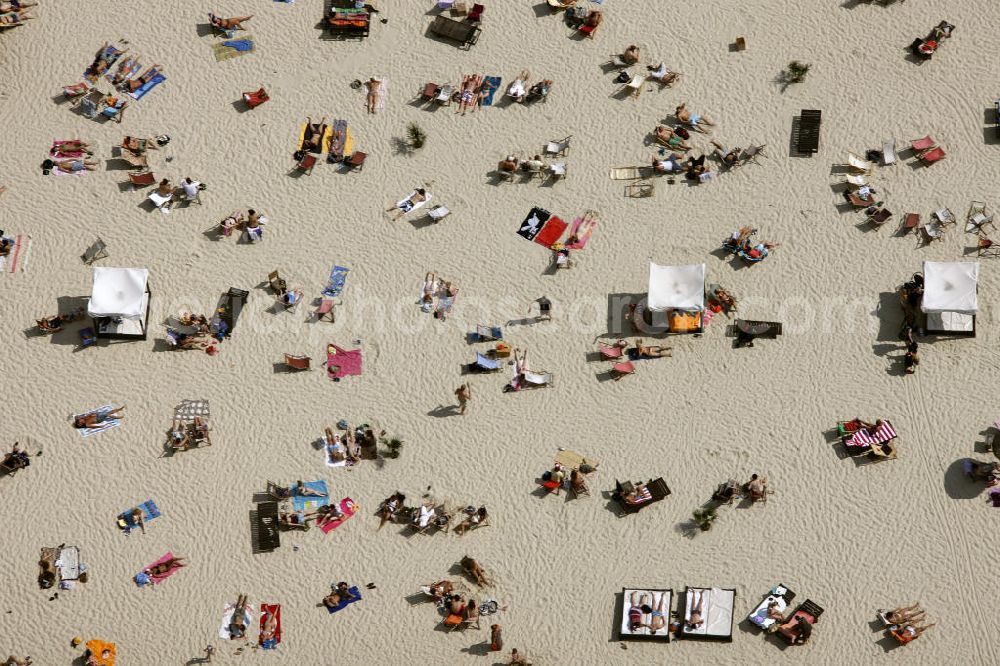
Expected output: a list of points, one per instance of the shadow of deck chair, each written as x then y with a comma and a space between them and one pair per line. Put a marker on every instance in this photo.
306, 164
144, 179
619, 370
558, 148
298, 362
98, 250
277, 283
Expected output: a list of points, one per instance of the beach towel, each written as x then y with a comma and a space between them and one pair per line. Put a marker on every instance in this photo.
631, 173
573, 460
492, 84
142, 578
348, 508
68, 563
17, 260
311, 502
266, 609
100, 427
355, 596
233, 48
149, 512
342, 362
582, 230
338, 139
130, 72
407, 205
542, 227
864, 438
140, 92
324, 143
383, 93
188, 409
227, 618
335, 283
327, 455
98, 649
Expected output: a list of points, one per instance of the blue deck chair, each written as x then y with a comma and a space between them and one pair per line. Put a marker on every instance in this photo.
485, 364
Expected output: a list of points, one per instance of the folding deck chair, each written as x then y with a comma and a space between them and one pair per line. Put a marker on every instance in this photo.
977, 218
859, 202
922, 145
438, 212
356, 160
558, 148
855, 182
855, 163
144, 179
751, 153
307, 163
298, 362
987, 248
945, 217
486, 334
484, 364
933, 155
91, 103
325, 311
611, 352
255, 99
888, 152
619, 370
476, 13
277, 283
636, 85
430, 91
911, 221
98, 250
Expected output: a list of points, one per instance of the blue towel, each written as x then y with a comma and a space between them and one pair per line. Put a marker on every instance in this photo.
147, 86
239, 44
493, 83
311, 502
356, 596
487, 363
335, 284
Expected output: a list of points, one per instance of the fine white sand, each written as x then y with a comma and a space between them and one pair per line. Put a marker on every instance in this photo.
851, 538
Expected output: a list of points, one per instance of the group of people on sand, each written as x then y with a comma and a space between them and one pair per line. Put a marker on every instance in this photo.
184, 436
520, 92
353, 445
756, 489
658, 612
195, 332
251, 222
69, 157
15, 12
555, 479
437, 296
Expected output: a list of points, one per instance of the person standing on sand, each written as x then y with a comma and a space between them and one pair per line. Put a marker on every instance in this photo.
463, 393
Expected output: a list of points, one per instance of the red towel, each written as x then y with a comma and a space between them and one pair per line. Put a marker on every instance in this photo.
265, 609
342, 362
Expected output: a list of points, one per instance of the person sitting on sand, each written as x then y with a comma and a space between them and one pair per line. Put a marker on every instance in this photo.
630, 56
671, 164
339, 593
474, 571
390, 507
729, 157
669, 138
374, 87
519, 89
693, 120
314, 134
326, 514
69, 166
695, 167
577, 482
757, 487
517, 658
165, 567
540, 89
94, 419
455, 604
225, 24
662, 74
652, 351
509, 164
143, 79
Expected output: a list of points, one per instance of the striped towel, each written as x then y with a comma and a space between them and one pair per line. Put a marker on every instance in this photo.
881, 434
101, 427
17, 260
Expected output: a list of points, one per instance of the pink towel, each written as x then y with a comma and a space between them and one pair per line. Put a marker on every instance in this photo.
342, 362
583, 237
348, 508
162, 577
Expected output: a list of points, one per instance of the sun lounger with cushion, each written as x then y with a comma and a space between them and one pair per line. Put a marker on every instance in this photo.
641, 628
716, 613
779, 595
808, 611
466, 34
645, 494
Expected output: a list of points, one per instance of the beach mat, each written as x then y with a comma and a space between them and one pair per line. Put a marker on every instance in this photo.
542, 227
68, 563
270, 643
107, 425
233, 48
493, 84
311, 502
342, 362
149, 512
355, 596
330, 462
348, 507
139, 93
383, 94
630, 173
573, 460
143, 578
227, 618
335, 283
17, 260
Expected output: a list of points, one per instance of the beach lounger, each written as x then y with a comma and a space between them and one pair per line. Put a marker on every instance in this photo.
91, 104
858, 202
444, 94
484, 364
557, 170
716, 613
648, 493
619, 370
631, 173
808, 137
922, 145
297, 362
144, 179
430, 91
345, 19
808, 611
945, 217
779, 595
855, 163
611, 352
634, 623
977, 218
98, 250
486, 334
752, 153
466, 34
277, 283
932, 232
931, 156
558, 148
229, 313
888, 152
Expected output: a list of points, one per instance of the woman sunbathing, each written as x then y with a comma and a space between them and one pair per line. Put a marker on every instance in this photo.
228, 23
94, 419
15, 5
405, 206
269, 626
234, 221
695, 620
637, 609
440, 589
669, 138
909, 632
339, 593
652, 351
694, 120
374, 87
293, 519
314, 135
473, 520
474, 571
904, 615
124, 70
74, 146
238, 622
69, 166
165, 567
663, 75
134, 84
326, 514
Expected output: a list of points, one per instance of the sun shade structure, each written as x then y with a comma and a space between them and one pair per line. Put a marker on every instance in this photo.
119, 302
950, 298
676, 287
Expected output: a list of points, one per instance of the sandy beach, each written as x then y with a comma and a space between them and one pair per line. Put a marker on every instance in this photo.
850, 535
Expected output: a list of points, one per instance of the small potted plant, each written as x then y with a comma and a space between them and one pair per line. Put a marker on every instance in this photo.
394, 444
415, 136
796, 71
704, 517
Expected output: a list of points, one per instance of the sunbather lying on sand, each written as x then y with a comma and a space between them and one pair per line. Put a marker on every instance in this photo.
440, 589
472, 520
94, 419
124, 70
404, 207
667, 137
143, 79
314, 134
238, 622
428, 292
474, 571
729, 157
694, 120
903, 615
339, 593
73, 146
165, 567
235, 23
69, 166
652, 351
374, 87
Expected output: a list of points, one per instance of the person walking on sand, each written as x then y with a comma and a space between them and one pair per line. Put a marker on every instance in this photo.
463, 393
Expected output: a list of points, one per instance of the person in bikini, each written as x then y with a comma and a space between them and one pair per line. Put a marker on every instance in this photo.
235, 23
142, 79
696, 620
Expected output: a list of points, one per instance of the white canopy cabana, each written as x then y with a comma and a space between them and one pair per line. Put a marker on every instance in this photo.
950, 298
676, 287
120, 300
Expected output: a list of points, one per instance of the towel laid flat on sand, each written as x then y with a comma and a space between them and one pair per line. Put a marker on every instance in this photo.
100, 427
17, 260
491, 84
342, 362
355, 596
159, 578
139, 93
348, 508
265, 611
149, 512
227, 618
233, 48
311, 502
68, 563
335, 283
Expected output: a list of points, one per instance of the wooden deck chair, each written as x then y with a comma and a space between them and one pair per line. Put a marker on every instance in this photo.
438, 212
444, 94
911, 221
987, 248
931, 232
855, 182
855, 163
636, 85
809, 127
945, 217
879, 217
640, 189
91, 103
144, 179
326, 311
430, 91
98, 250
859, 202
356, 160
977, 218
888, 152
277, 283
933, 155
619, 370
558, 148
307, 163
75, 92
753, 152
557, 170
298, 362
137, 161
